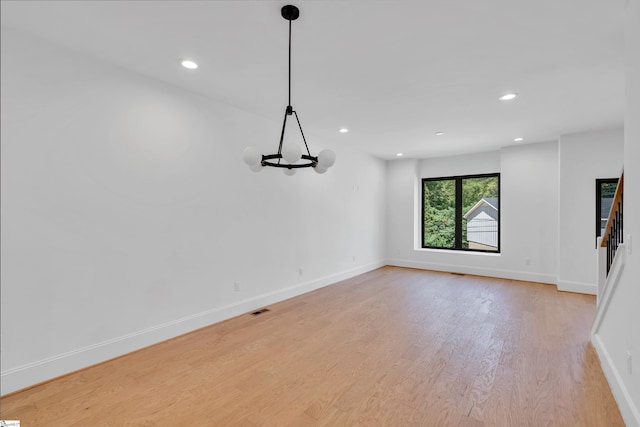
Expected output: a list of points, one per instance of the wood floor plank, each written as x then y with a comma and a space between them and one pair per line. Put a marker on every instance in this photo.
391, 347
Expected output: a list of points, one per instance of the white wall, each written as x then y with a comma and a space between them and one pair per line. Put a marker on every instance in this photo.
547, 203
618, 333
128, 214
528, 201
530, 209
584, 157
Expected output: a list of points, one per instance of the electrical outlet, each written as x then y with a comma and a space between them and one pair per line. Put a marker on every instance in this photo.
354, 258
236, 286
300, 271
527, 261
629, 363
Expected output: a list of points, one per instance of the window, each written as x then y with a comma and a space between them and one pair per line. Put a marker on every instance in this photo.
461, 213
605, 192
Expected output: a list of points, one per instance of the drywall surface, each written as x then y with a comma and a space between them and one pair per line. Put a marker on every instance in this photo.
528, 204
584, 157
617, 336
128, 215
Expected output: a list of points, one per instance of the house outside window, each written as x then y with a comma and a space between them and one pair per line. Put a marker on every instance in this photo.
482, 224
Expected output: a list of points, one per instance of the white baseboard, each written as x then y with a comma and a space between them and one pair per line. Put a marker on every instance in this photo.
27, 375
578, 287
628, 409
478, 271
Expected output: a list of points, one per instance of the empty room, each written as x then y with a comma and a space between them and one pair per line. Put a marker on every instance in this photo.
320, 213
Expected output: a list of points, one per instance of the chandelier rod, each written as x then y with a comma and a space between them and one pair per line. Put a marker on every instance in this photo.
289, 63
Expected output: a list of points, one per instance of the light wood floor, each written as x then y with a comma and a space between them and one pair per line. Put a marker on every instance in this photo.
394, 347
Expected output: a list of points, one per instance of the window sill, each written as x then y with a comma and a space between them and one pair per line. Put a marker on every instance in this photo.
450, 251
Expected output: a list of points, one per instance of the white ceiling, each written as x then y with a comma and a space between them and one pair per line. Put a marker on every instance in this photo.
393, 72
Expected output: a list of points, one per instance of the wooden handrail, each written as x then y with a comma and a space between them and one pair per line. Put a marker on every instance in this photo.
614, 210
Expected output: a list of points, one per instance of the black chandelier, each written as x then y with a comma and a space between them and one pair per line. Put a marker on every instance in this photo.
290, 155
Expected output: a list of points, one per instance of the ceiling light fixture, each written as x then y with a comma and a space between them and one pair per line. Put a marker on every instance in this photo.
291, 153
518, 139
399, 154
439, 133
186, 63
343, 130
508, 96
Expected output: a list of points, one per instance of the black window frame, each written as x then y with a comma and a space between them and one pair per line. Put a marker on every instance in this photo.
458, 212
599, 182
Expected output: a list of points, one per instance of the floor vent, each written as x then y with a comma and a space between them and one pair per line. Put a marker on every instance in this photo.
259, 312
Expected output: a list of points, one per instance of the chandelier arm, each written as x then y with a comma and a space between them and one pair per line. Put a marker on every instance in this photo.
284, 125
303, 138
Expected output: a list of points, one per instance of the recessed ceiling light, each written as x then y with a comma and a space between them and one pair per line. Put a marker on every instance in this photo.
343, 130
187, 63
399, 154
518, 139
508, 96
439, 133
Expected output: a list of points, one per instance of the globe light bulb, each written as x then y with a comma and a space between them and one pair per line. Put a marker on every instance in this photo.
291, 153
289, 172
251, 156
256, 168
326, 158
320, 169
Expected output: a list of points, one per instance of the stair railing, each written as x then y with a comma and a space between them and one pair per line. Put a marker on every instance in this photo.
613, 236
